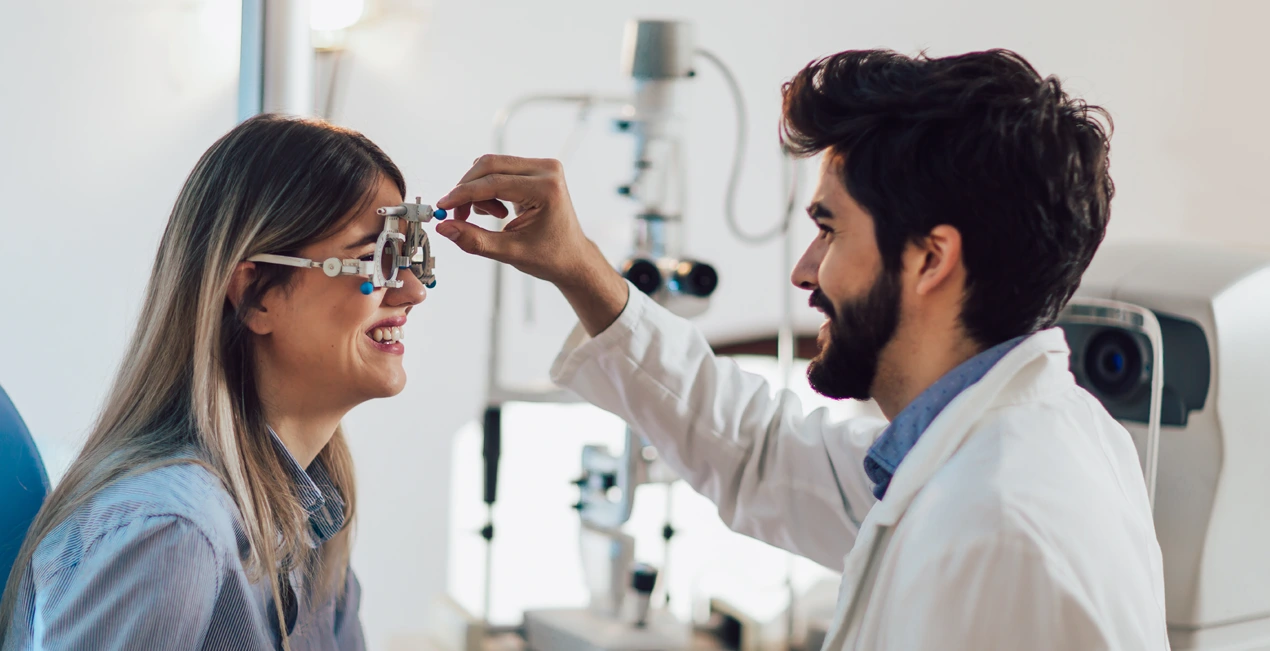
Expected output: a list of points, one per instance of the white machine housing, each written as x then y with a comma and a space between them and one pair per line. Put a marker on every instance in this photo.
1212, 511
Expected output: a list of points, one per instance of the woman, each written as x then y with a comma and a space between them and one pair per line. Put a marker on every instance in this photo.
211, 506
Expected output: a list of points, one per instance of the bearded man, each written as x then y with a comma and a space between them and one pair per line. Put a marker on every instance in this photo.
960, 200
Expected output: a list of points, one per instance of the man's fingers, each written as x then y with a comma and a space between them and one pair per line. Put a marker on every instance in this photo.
473, 239
513, 188
499, 164
495, 208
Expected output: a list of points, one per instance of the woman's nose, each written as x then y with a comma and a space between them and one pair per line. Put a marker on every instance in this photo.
411, 292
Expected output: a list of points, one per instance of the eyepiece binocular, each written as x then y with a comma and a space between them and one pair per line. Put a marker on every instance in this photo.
682, 277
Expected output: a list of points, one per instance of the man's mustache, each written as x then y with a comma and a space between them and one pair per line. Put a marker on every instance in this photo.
820, 301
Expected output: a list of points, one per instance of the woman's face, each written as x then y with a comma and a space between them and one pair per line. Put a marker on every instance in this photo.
320, 345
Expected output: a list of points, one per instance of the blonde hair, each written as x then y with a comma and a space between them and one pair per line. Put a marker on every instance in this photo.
273, 184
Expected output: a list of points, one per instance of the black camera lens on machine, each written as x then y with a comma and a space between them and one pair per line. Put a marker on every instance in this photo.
1113, 362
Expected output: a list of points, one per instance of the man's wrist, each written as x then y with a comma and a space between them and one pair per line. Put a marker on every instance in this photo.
585, 269
595, 290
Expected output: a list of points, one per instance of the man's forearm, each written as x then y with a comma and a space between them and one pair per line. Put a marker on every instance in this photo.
596, 292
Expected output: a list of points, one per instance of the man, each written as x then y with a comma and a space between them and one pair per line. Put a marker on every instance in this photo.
960, 199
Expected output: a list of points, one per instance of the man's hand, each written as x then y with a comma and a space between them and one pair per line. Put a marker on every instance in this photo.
544, 240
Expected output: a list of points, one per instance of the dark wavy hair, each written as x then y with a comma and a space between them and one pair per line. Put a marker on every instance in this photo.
980, 142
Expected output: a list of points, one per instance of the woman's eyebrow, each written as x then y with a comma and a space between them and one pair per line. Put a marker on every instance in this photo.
368, 238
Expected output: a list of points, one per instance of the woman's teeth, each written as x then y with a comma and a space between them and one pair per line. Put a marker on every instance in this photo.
388, 335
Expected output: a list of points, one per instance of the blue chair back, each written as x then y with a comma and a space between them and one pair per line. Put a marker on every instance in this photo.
23, 483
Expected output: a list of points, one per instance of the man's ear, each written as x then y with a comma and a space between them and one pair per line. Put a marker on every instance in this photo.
256, 319
937, 259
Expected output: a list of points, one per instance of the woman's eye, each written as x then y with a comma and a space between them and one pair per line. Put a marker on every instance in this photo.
825, 231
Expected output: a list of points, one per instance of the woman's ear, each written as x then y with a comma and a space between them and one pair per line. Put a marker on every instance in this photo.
940, 259
257, 319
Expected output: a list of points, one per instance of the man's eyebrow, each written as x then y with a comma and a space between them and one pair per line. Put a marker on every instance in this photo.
818, 211
368, 238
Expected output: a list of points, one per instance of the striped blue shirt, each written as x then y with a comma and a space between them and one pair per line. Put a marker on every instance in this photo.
155, 561
901, 435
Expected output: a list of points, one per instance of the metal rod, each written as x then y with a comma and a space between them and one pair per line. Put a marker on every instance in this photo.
501, 119
506, 113
332, 85
785, 357
667, 528
251, 60
489, 569
288, 58
494, 392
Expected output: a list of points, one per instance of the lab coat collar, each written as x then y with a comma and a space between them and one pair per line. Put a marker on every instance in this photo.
1003, 384
1032, 367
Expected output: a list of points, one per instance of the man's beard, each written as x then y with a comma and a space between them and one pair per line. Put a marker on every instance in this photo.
858, 331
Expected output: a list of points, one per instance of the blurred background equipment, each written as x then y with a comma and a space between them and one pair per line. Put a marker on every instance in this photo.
1172, 338
625, 609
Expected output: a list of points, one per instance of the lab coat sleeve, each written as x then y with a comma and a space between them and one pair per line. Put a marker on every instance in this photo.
998, 593
791, 479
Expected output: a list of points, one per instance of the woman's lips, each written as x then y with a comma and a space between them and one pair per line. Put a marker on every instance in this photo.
394, 348
390, 322
387, 335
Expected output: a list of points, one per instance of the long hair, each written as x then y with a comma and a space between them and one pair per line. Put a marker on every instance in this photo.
187, 382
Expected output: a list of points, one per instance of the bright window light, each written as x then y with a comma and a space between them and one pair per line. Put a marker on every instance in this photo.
334, 15
536, 558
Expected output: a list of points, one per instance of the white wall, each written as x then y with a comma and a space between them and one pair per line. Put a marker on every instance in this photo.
107, 104
104, 109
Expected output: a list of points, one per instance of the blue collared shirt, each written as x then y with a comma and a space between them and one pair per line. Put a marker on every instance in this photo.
901, 435
155, 561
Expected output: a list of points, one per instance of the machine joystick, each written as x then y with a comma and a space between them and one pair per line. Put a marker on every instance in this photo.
643, 579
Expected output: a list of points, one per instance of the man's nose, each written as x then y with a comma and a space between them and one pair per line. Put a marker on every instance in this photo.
806, 270
412, 292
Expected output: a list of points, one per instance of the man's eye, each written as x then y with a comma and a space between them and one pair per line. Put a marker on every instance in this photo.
825, 231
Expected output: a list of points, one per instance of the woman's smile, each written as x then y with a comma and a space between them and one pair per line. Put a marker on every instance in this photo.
388, 335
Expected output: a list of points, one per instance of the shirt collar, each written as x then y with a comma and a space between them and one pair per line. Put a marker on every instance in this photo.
318, 494
901, 435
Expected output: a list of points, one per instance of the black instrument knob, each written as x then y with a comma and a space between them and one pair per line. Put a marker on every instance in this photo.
695, 278
643, 578
643, 274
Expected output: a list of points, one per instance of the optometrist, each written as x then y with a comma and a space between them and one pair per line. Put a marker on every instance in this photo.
960, 199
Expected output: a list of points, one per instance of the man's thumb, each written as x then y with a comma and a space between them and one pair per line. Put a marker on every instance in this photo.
469, 237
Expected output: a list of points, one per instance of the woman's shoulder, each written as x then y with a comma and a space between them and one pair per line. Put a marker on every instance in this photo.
183, 498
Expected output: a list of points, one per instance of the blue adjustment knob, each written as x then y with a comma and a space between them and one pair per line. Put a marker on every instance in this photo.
367, 288
439, 213
431, 284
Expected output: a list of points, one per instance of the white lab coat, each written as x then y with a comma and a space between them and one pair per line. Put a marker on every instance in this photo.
1019, 520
